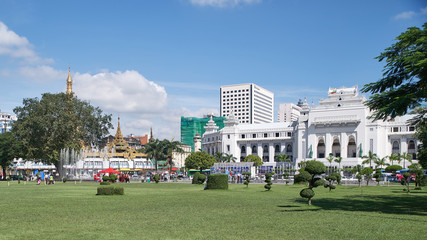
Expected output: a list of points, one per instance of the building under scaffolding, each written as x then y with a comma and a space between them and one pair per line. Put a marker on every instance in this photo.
192, 125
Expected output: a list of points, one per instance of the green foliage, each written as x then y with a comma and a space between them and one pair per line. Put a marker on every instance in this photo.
255, 159
367, 173
217, 181
199, 160
403, 86
337, 176
247, 176
377, 175
393, 168
318, 182
282, 158
315, 167
110, 190
64, 180
331, 179
307, 193
156, 178
268, 181
421, 134
10, 148
302, 178
370, 158
105, 178
113, 177
198, 178
417, 170
104, 183
58, 121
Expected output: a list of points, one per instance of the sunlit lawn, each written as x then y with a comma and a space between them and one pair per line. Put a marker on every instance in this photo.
185, 211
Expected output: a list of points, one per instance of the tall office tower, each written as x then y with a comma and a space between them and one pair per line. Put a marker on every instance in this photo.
248, 102
288, 112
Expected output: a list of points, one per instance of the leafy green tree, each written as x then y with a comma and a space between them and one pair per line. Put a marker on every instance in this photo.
10, 148
283, 158
359, 178
338, 160
417, 170
331, 179
156, 178
367, 173
403, 87
255, 159
377, 175
199, 160
370, 158
302, 177
286, 177
356, 171
406, 180
330, 159
170, 147
315, 169
394, 157
58, 121
268, 181
393, 168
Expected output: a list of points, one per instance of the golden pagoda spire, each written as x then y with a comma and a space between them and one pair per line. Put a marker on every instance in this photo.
119, 142
69, 82
151, 135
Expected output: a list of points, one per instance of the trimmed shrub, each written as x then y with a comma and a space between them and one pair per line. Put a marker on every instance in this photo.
217, 181
156, 178
105, 178
307, 193
104, 183
110, 190
198, 178
393, 168
338, 177
268, 181
247, 178
302, 178
64, 180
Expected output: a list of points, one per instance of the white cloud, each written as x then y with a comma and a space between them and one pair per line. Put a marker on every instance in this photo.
42, 73
13, 45
405, 15
121, 92
222, 3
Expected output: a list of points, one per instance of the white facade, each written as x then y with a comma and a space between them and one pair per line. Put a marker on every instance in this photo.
6, 120
338, 126
249, 103
288, 112
179, 158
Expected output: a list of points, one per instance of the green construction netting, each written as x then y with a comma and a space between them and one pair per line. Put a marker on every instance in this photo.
192, 125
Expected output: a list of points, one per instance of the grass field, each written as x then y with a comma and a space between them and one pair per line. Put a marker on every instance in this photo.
185, 211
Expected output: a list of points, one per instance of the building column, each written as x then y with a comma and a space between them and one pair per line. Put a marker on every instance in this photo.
328, 144
270, 152
260, 150
248, 149
343, 145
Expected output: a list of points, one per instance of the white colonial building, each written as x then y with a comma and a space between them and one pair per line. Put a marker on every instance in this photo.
339, 125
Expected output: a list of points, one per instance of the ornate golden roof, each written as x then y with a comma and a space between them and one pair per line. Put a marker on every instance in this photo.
120, 144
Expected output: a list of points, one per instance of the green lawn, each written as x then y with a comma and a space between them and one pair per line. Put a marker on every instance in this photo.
185, 211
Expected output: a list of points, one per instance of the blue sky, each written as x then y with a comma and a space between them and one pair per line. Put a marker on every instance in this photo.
152, 62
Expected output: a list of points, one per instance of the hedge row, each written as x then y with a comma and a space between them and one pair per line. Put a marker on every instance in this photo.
110, 190
217, 181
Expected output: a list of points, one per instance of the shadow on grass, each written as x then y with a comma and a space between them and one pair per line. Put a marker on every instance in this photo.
405, 205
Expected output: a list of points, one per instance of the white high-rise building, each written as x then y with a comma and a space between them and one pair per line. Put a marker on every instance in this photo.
6, 120
249, 103
288, 112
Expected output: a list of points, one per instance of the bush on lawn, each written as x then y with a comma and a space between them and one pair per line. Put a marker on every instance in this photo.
247, 178
268, 181
217, 181
198, 178
64, 180
156, 178
113, 178
104, 183
110, 190
105, 178
302, 178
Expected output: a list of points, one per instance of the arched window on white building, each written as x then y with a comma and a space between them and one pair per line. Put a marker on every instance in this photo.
265, 153
351, 147
254, 149
411, 149
395, 148
243, 150
321, 148
336, 148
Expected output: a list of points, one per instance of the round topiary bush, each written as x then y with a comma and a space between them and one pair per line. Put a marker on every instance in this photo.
64, 180
113, 178
217, 181
315, 167
156, 178
302, 178
307, 193
104, 183
105, 178
268, 181
198, 178
393, 168
247, 178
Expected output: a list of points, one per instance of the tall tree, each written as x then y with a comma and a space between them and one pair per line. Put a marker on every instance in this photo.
338, 160
370, 158
283, 158
381, 162
219, 157
10, 148
403, 87
229, 158
199, 160
155, 150
170, 147
58, 121
394, 157
406, 157
330, 159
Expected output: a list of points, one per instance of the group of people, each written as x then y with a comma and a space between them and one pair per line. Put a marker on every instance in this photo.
124, 178
48, 179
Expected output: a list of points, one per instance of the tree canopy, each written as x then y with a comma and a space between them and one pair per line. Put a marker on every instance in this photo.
58, 121
255, 159
199, 160
403, 86
10, 148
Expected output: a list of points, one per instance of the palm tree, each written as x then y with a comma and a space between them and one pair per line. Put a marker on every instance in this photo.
338, 160
381, 162
330, 160
229, 158
370, 158
219, 157
169, 148
155, 150
405, 156
283, 158
394, 157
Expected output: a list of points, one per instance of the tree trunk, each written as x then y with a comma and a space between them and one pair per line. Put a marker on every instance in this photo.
4, 171
309, 202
